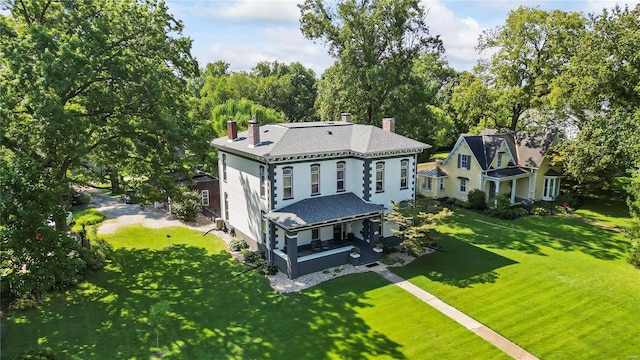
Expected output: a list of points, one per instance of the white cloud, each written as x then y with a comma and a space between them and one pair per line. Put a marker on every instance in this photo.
284, 44
274, 11
459, 35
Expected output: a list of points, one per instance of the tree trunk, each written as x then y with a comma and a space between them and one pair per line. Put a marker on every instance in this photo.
115, 181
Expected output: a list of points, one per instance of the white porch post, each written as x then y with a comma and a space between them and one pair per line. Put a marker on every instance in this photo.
495, 198
513, 190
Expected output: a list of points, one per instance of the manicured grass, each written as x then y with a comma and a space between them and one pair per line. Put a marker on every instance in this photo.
556, 286
215, 314
87, 217
611, 211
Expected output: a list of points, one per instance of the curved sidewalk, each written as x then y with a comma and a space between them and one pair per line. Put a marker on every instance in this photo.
478, 328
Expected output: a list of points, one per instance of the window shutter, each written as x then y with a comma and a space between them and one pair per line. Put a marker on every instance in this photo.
459, 161
469, 162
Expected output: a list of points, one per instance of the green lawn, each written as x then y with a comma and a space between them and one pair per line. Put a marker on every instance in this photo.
218, 315
608, 210
556, 286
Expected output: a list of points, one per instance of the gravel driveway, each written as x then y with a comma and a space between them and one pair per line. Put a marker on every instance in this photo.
120, 214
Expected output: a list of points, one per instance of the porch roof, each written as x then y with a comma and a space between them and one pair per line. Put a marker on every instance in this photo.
507, 173
434, 172
316, 211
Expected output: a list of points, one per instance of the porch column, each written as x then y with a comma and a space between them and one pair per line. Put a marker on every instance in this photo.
291, 239
495, 197
375, 230
513, 190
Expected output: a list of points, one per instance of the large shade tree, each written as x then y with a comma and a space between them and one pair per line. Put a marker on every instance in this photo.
83, 82
528, 52
375, 43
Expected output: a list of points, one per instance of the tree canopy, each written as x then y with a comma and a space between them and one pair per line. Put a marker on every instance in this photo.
375, 44
83, 82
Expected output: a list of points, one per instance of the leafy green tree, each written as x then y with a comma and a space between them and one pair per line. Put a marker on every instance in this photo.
242, 111
375, 44
416, 221
94, 81
530, 50
290, 89
159, 318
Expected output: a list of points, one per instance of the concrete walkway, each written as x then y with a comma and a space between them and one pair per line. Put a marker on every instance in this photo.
478, 328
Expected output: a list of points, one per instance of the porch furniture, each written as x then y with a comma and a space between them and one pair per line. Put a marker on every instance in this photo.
316, 245
325, 244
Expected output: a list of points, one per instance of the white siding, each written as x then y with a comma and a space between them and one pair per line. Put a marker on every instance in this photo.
243, 188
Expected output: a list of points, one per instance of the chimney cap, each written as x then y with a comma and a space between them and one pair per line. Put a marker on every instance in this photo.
253, 119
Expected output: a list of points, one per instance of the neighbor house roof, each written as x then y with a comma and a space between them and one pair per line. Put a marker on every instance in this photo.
315, 138
434, 172
321, 210
198, 176
529, 149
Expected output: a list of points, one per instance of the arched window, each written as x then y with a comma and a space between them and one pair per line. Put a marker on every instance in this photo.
287, 181
404, 169
315, 179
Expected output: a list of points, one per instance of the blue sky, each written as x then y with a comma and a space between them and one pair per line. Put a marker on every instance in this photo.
244, 32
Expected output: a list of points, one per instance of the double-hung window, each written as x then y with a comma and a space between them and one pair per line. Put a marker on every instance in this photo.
315, 179
263, 180
340, 176
224, 167
404, 168
463, 185
287, 181
379, 177
464, 161
204, 195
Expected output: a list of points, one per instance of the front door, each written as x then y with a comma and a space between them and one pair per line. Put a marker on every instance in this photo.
492, 189
337, 232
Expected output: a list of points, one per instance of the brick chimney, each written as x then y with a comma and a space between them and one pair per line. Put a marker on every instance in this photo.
254, 132
389, 124
232, 129
346, 117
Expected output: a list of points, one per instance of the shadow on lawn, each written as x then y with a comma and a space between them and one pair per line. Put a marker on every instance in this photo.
213, 313
463, 265
528, 234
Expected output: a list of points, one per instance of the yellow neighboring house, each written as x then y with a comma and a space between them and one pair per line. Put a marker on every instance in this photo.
509, 163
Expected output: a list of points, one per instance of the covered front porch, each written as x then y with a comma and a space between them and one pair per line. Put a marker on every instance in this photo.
516, 183
319, 233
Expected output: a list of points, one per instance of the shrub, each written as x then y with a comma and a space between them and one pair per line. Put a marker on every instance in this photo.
503, 207
97, 255
520, 212
572, 199
238, 244
89, 217
23, 303
186, 204
252, 257
269, 268
477, 199
36, 355
539, 211
633, 253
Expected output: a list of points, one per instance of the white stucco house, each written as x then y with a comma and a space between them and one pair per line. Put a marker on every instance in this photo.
307, 193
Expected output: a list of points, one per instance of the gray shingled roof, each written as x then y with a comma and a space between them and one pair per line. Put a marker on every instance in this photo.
293, 139
508, 172
318, 210
528, 148
532, 148
434, 172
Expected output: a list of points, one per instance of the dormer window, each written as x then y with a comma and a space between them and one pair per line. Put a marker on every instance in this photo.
499, 161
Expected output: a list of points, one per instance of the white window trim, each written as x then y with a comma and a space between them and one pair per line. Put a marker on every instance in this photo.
462, 181
204, 195
341, 167
404, 167
284, 186
381, 171
315, 172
